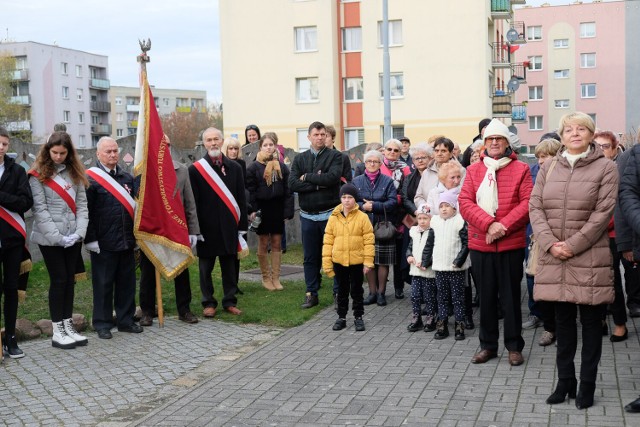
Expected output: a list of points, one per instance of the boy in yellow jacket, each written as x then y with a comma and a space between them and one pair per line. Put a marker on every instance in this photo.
347, 254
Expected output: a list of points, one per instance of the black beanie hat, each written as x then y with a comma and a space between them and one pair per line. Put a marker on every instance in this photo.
349, 189
483, 124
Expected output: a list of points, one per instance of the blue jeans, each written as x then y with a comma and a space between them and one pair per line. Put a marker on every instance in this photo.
312, 235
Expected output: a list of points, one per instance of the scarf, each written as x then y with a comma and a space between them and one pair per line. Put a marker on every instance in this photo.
573, 158
487, 194
271, 165
372, 175
396, 167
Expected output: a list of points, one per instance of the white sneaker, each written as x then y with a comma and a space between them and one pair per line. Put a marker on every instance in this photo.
60, 337
71, 331
532, 322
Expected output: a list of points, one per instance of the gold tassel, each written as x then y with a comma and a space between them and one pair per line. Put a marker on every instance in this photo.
80, 276
22, 297
26, 266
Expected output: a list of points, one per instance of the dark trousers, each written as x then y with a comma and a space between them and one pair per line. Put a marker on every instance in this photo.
567, 336
114, 286
350, 282
148, 288
61, 264
450, 290
10, 259
631, 283
468, 296
312, 235
618, 308
229, 283
401, 267
499, 275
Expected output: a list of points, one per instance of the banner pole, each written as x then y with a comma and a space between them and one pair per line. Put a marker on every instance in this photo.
159, 300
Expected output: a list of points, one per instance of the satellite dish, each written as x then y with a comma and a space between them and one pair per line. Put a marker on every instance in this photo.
513, 129
513, 84
512, 35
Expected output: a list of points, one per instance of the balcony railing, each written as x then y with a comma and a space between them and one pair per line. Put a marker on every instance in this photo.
104, 106
519, 71
521, 30
518, 1
501, 103
101, 129
501, 9
518, 113
20, 75
183, 109
500, 55
19, 126
99, 83
21, 100
133, 108
132, 123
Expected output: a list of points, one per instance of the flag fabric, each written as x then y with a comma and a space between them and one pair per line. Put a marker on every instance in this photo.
160, 225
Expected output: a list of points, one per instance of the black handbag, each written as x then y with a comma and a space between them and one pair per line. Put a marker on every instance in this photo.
384, 230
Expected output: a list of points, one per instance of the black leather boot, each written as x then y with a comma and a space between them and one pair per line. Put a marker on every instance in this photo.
584, 399
565, 386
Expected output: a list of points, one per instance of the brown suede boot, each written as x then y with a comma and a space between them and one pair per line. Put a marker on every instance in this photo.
263, 260
276, 259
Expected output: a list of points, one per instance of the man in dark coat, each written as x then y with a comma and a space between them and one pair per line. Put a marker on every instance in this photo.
218, 189
111, 242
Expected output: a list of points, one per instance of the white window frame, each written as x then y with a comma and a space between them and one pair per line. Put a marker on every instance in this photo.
534, 33
561, 103
353, 137
305, 39
585, 90
119, 117
120, 132
561, 43
165, 102
79, 94
535, 63
396, 85
588, 60
561, 74
352, 39
66, 116
537, 92
80, 117
65, 92
302, 139
587, 30
353, 86
118, 100
395, 33
535, 123
21, 62
308, 86
82, 141
78, 70
64, 68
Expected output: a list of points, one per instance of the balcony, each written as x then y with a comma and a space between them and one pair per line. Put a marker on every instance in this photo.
21, 100
520, 28
519, 71
132, 124
99, 84
20, 75
500, 55
19, 126
519, 113
518, 1
133, 108
101, 129
103, 106
501, 103
501, 9
183, 109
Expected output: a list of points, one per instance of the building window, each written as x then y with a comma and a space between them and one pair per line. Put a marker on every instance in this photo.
182, 102
561, 43
353, 89
535, 62
397, 132
395, 33
396, 85
587, 60
535, 122
353, 137
561, 103
119, 132
587, 29
118, 100
352, 39
307, 89
306, 39
593, 117
79, 94
64, 68
534, 33
303, 141
535, 93
165, 102
133, 100
119, 117
588, 90
81, 117
561, 74
66, 116
78, 70
65, 92
21, 62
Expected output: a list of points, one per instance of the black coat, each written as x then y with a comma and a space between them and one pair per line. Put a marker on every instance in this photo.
15, 195
409, 189
109, 221
628, 208
319, 190
259, 190
217, 224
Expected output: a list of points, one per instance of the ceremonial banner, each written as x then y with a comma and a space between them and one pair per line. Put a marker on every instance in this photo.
160, 225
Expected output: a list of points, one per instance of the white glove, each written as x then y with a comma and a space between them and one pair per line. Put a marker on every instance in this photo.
92, 247
73, 239
193, 239
200, 238
66, 241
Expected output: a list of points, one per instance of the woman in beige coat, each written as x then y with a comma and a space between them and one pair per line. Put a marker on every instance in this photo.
570, 207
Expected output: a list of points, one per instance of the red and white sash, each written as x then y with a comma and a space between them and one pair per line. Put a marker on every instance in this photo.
62, 188
221, 189
14, 220
113, 187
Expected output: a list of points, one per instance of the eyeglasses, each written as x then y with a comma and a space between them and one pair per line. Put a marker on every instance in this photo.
372, 162
495, 138
395, 150
419, 159
605, 146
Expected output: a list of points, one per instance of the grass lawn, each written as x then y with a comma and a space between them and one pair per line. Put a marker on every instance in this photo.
280, 309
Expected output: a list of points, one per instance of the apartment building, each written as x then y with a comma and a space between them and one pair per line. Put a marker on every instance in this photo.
60, 85
581, 57
287, 63
125, 105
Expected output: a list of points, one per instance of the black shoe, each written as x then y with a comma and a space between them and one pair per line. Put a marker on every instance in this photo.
416, 324
468, 322
430, 325
340, 324
371, 299
633, 407
634, 312
310, 301
399, 294
359, 324
133, 328
618, 338
11, 349
104, 334
459, 335
584, 398
382, 300
442, 330
565, 387
146, 320
188, 317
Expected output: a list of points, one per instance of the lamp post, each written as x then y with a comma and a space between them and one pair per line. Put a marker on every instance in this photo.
386, 77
